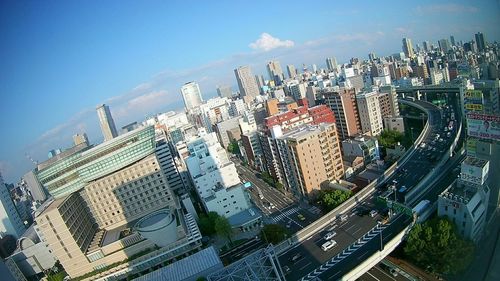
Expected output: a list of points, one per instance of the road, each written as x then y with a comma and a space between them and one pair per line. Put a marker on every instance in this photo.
421, 162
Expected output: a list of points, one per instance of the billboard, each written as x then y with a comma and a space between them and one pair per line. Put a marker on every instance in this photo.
483, 126
473, 100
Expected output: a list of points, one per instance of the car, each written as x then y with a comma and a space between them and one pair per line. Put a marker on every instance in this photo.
296, 257
328, 245
330, 235
272, 205
344, 217
286, 269
373, 213
393, 272
301, 217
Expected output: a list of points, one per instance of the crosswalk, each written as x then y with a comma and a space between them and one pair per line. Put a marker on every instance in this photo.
285, 214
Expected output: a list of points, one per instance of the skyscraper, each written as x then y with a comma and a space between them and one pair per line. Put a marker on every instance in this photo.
10, 222
480, 41
426, 46
275, 71
106, 121
331, 63
444, 45
408, 47
224, 91
246, 82
191, 95
292, 72
452, 40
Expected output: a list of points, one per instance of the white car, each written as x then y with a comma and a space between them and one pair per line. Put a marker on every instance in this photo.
330, 235
373, 213
328, 245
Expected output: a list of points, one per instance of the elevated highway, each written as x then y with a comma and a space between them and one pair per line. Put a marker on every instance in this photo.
360, 238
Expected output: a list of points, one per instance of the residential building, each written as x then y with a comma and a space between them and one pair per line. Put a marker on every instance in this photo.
394, 123
275, 72
311, 158
388, 101
165, 152
292, 71
361, 146
246, 83
10, 221
370, 115
191, 95
107, 123
344, 107
222, 128
37, 191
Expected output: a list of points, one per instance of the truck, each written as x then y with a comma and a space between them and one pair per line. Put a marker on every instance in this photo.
421, 207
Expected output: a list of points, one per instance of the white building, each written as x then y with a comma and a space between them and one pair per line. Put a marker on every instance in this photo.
215, 177
10, 222
191, 95
237, 107
298, 90
369, 113
36, 189
213, 111
394, 123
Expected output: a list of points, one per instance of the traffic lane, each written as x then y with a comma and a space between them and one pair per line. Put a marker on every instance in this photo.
279, 202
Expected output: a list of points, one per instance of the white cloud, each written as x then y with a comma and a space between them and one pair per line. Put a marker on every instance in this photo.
267, 42
446, 8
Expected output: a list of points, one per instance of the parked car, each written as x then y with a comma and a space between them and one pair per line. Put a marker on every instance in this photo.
328, 245
330, 235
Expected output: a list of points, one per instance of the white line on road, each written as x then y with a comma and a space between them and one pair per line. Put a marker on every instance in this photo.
385, 273
373, 276
307, 264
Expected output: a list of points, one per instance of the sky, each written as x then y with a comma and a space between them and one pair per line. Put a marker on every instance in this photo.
60, 59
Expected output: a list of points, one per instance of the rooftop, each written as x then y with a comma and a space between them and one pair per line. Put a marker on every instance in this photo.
476, 162
461, 191
245, 217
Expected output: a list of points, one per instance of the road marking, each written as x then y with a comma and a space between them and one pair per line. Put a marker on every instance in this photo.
385, 273
373, 276
306, 265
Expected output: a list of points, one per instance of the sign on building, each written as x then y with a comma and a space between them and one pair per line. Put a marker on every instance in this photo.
483, 126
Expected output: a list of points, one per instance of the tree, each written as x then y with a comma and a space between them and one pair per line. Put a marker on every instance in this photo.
207, 223
436, 245
233, 147
330, 199
389, 138
223, 228
273, 233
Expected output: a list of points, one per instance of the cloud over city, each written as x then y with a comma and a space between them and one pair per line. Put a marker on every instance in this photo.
267, 42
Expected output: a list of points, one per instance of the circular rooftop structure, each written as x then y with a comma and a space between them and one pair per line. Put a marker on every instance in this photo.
160, 227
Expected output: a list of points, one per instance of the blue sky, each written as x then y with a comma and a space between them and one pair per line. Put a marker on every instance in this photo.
59, 59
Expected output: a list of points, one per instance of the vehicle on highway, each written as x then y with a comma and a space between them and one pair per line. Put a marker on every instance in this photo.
373, 213
330, 235
261, 196
301, 217
402, 189
393, 272
296, 257
289, 224
286, 269
328, 245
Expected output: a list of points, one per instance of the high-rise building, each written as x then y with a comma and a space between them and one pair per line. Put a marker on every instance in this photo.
292, 71
275, 72
311, 158
191, 95
344, 107
388, 101
224, 91
246, 83
444, 45
38, 192
10, 221
452, 40
107, 123
80, 138
369, 113
408, 47
480, 41
427, 46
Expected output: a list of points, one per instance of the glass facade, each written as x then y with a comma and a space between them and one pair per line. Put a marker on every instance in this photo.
71, 173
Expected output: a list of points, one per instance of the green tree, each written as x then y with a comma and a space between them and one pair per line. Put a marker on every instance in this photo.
330, 199
389, 138
207, 223
436, 245
223, 228
233, 147
273, 233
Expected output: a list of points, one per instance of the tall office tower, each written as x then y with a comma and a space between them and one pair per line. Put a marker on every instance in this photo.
275, 72
408, 48
452, 40
104, 189
80, 139
38, 192
224, 91
191, 95
311, 158
247, 83
10, 221
106, 121
480, 41
369, 113
444, 45
292, 71
344, 107
165, 152
427, 46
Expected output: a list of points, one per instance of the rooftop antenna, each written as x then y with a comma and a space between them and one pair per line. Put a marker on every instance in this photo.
31, 159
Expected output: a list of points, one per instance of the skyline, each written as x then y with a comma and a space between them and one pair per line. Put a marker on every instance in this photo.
96, 64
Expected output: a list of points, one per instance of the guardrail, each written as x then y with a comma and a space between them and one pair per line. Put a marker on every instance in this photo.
327, 219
